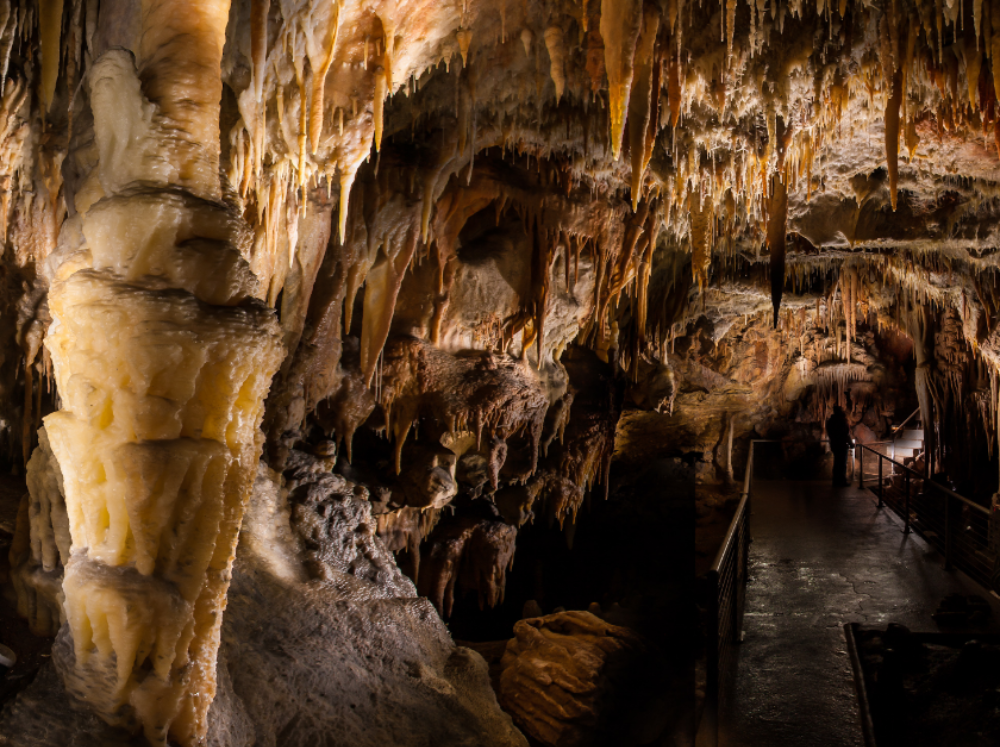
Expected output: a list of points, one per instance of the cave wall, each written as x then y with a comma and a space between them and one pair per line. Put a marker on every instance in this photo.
457, 273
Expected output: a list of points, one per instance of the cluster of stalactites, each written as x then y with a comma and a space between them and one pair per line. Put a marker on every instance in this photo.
300, 85
915, 61
321, 76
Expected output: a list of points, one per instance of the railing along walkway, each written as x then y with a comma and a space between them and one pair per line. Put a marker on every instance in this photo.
822, 557
726, 598
965, 533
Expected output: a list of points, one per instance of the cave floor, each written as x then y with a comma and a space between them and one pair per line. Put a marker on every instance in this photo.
822, 557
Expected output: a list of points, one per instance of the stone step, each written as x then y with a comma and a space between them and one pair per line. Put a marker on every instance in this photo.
903, 453
906, 443
914, 435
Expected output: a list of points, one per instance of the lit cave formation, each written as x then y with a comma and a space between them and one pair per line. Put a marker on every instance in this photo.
382, 373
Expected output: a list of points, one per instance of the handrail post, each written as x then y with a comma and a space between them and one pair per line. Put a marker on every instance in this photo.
861, 466
881, 485
962, 549
712, 674
739, 572
947, 532
906, 518
734, 591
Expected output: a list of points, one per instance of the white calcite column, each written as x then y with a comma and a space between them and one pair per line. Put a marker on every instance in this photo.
163, 360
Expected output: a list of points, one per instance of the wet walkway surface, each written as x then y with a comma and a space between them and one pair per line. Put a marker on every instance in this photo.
821, 557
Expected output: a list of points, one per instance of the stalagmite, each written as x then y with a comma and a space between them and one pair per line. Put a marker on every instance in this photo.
41, 546
162, 363
620, 22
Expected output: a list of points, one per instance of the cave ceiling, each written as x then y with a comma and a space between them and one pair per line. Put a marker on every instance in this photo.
771, 141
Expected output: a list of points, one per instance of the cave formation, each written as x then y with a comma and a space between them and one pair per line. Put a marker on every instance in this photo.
373, 373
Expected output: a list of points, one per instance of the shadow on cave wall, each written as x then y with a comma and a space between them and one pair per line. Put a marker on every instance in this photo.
634, 550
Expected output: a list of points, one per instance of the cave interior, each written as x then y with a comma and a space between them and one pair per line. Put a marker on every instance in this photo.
386, 372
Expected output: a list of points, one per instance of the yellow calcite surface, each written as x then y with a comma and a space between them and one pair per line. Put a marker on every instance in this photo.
180, 57
41, 544
163, 359
158, 441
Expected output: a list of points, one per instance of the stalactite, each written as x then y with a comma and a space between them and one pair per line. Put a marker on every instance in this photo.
641, 108
381, 289
892, 134
556, 46
464, 38
527, 39
7, 37
777, 218
542, 257
258, 53
674, 90
620, 24
701, 239
730, 28
320, 51
50, 14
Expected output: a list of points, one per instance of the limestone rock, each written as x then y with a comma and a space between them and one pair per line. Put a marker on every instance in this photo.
560, 675
354, 659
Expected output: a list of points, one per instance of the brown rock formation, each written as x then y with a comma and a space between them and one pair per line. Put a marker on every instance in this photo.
558, 677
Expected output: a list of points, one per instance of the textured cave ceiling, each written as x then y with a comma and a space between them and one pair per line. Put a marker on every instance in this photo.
298, 294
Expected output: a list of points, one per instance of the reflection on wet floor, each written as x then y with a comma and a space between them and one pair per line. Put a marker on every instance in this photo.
820, 557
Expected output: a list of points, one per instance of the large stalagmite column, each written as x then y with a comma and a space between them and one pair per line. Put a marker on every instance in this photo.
162, 361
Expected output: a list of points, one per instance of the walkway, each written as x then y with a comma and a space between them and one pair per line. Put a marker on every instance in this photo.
822, 557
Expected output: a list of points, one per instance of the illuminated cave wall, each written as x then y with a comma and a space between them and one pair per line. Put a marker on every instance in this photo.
451, 270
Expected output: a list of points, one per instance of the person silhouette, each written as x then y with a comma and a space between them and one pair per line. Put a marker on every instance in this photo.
839, 433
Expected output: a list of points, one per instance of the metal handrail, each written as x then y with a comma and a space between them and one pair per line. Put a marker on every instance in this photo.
739, 527
931, 511
902, 425
720, 556
920, 475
